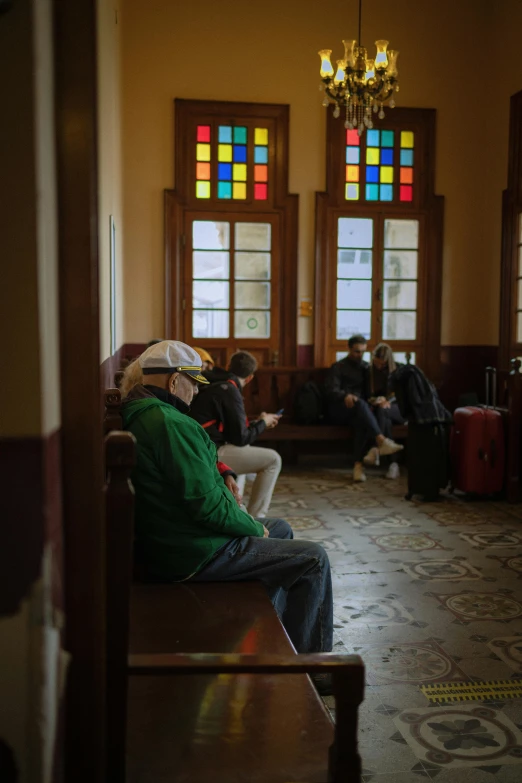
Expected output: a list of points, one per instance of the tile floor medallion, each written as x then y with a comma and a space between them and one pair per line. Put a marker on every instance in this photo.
493, 539
415, 542
508, 649
454, 570
468, 606
383, 551
411, 662
461, 736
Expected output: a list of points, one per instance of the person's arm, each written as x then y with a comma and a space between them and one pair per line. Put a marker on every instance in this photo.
225, 471
188, 455
333, 386
235, 429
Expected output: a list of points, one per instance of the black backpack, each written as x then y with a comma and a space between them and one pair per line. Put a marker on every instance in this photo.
308, 405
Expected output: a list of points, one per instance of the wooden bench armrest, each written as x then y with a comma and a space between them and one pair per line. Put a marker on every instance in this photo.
347, 680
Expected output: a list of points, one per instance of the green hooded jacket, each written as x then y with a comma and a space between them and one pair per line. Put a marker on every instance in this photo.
184, 511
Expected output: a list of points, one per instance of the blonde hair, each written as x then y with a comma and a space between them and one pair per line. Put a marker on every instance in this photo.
132, 377
382, 351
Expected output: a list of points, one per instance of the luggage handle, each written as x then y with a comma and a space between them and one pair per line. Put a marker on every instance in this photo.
491, 387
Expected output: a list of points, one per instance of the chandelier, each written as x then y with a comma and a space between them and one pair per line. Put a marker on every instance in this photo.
360, 84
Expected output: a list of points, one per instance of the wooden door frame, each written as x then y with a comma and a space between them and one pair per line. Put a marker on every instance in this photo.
81, 409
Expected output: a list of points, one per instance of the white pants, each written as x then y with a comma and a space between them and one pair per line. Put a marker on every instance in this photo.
265, 463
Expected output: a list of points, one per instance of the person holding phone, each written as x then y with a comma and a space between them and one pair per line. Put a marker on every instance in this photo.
220, 410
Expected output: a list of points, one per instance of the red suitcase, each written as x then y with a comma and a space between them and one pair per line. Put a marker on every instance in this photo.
477, 445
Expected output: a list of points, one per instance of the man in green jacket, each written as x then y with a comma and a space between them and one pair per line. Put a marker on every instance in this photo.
188, 523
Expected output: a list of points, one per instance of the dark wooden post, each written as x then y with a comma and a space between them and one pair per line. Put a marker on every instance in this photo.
514, 426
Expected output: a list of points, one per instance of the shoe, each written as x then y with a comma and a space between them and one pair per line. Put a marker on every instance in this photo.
323, 684
358, 472
393, 471
372, 458
389, 446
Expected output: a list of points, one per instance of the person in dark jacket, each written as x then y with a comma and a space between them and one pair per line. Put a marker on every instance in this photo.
346, 389
221, 411
187, 523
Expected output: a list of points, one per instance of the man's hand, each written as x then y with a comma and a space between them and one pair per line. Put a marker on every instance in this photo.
271, 420
382, 402
230, 482
350, 400
266, 532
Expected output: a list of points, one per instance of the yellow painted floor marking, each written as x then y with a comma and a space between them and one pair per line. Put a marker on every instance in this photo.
445, 692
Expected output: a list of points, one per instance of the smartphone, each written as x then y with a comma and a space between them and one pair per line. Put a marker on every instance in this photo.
280, 412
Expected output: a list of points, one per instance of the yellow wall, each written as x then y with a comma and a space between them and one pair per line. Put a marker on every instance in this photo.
109, 166
268, 52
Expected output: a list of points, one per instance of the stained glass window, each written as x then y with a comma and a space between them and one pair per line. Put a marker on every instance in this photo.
242, 169
379, 165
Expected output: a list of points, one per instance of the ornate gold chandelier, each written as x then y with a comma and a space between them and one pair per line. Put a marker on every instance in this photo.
360, 83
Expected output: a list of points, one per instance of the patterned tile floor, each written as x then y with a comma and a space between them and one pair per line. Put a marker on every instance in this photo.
425, 593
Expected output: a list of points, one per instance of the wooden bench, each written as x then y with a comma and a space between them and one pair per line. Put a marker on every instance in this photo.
212, 688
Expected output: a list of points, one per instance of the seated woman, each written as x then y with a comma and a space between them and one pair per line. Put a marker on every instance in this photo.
382, 401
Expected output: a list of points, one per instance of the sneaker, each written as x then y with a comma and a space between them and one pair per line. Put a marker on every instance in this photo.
322, 683
389, 446
372, 458
358, 472
393, 471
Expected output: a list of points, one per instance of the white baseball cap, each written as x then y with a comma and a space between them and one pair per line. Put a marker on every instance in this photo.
171, 356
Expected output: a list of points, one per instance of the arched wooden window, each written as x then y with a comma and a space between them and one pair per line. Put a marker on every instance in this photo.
379, 239
231, 232
511, 280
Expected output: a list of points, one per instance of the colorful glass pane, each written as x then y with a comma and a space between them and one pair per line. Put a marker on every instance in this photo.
373, 138
202, 170
239, 171
372, 173
260, 192
225, 134
372, 192
240, 153
386, 192
203, 133
239, 190
202, 189
407, 139
261, 173
387, 138
202, 152
224, 153
352, 192
406, 193
352, 173
406, 176
372, 155
387, 157
240, 135
260, 154
261, 136
224, 190
353, 154
386, 173
406, 157
224, 171
352, 138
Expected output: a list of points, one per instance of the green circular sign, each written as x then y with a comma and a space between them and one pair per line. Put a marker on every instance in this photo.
252, 323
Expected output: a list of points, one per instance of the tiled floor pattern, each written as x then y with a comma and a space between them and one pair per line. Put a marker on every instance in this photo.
425, 593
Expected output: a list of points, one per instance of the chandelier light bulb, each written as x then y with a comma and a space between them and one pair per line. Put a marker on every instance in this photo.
381, 58
339, 76
327, 70
349, 46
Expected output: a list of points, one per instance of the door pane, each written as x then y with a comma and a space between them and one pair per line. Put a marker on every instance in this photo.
400, 356
353, 322
210, 264
520, 227
520, 260
400, 264
253, 236
252, 295
401, 233
399, 295
355, 232
354, 294
252, 323
519, 294
252, 266
519, 327
367, 356
208, 294
210, 235
354, 263
210, 323
399, 326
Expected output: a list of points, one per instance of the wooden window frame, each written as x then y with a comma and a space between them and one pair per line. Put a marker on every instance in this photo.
511, 210
182, 201
426, 207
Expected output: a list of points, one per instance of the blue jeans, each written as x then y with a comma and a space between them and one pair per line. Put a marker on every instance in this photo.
296, 575
362, 421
